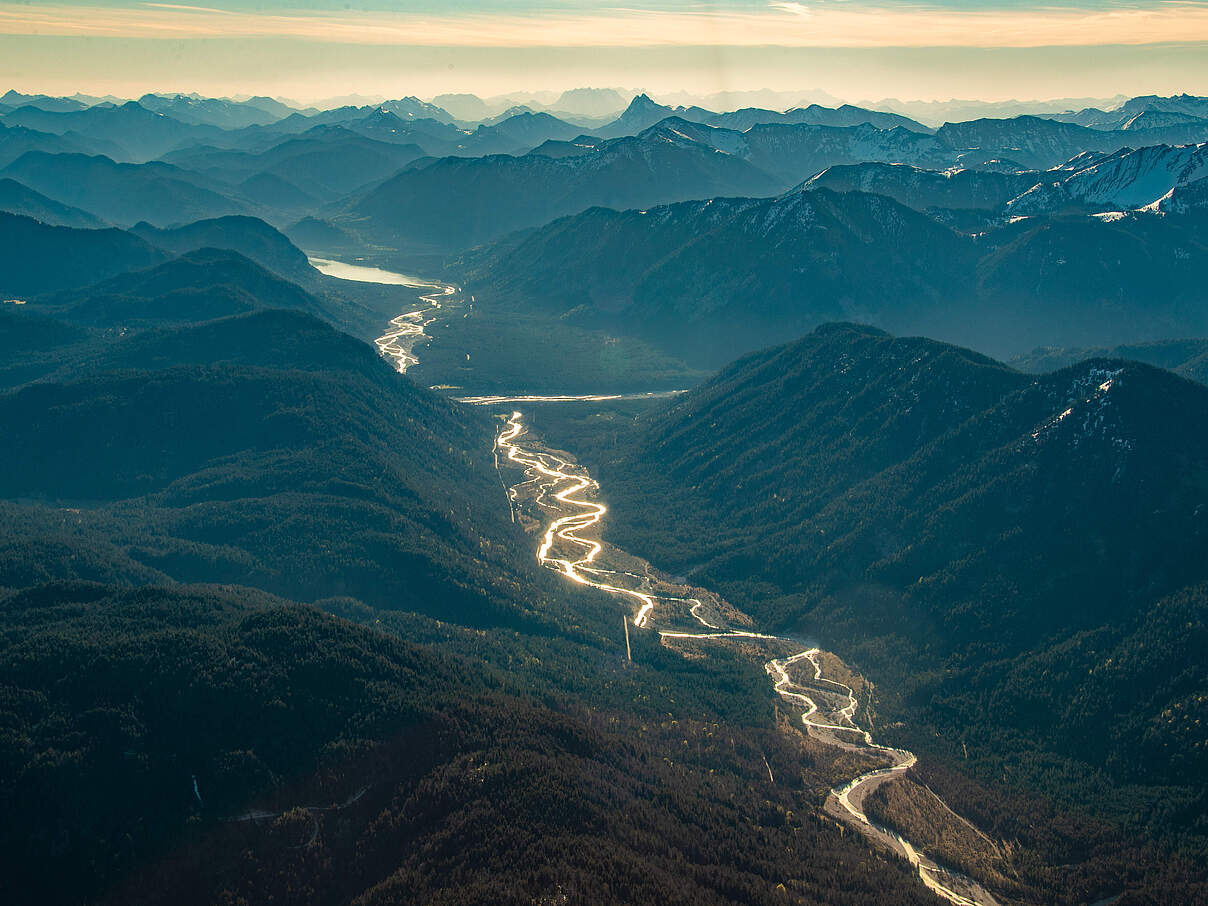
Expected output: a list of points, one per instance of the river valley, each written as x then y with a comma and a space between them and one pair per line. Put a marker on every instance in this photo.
560, 502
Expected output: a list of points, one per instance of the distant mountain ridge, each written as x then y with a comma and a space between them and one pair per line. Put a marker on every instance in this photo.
642, 113
19, 199
122, 193
708, 280
1124, 181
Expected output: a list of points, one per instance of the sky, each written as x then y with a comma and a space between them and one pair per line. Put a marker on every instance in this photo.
852, 49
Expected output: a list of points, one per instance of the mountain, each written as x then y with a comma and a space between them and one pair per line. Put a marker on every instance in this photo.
243, 427
469, 108
765, 268
273, 107
1154, 119
1135, 112
771, 157
218, 112
268, 190
15, 99
459, 202
925, 189
17, 140
706, 280
1038, 142
198, 286
761, 97
795, 152
1041, 143
1018, 561
1189, 199
434, 136
142, 134
1123, 181
325, 164
1092, 281
121, 193
412, 108
592, 102
37, 258
249, 236
318, 235
1188, 358
18, 199
520, 132
1097, 182
642, 113
816, 115
456, 704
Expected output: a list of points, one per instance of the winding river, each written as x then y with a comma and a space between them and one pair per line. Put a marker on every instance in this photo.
557, 489
406, 330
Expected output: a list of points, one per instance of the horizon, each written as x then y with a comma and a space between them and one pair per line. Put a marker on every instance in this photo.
521, 96
995, 50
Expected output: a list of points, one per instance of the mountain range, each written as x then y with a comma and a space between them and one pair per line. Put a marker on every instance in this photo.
121, 193
708, 280
271, 624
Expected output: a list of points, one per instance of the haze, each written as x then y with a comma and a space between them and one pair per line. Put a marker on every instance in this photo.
852, 50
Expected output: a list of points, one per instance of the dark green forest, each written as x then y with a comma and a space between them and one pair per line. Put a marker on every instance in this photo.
246, 567
1017, 561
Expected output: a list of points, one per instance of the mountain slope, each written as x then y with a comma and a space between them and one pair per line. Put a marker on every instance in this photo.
18, 199
198, 286
987, 540
141, 133
713, 279
923, 189
1188, 358
326, 163
122, 194
1122, 181
213, 445
767, 268
37, 258
249, 236
458, 202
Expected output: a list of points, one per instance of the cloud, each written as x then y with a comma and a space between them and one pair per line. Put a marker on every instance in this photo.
783, 24
797, 9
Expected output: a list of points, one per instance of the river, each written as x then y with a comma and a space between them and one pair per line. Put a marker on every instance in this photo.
360, 273
557, 489
406, 330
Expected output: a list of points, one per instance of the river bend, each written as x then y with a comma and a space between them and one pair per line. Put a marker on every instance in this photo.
559, 490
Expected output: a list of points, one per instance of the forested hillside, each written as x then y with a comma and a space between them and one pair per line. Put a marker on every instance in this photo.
1021, 560
447, 723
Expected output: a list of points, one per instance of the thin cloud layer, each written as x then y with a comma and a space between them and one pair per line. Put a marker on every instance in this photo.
781, 24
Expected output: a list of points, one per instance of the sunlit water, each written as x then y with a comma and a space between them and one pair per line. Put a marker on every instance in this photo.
362, 274
566, 495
